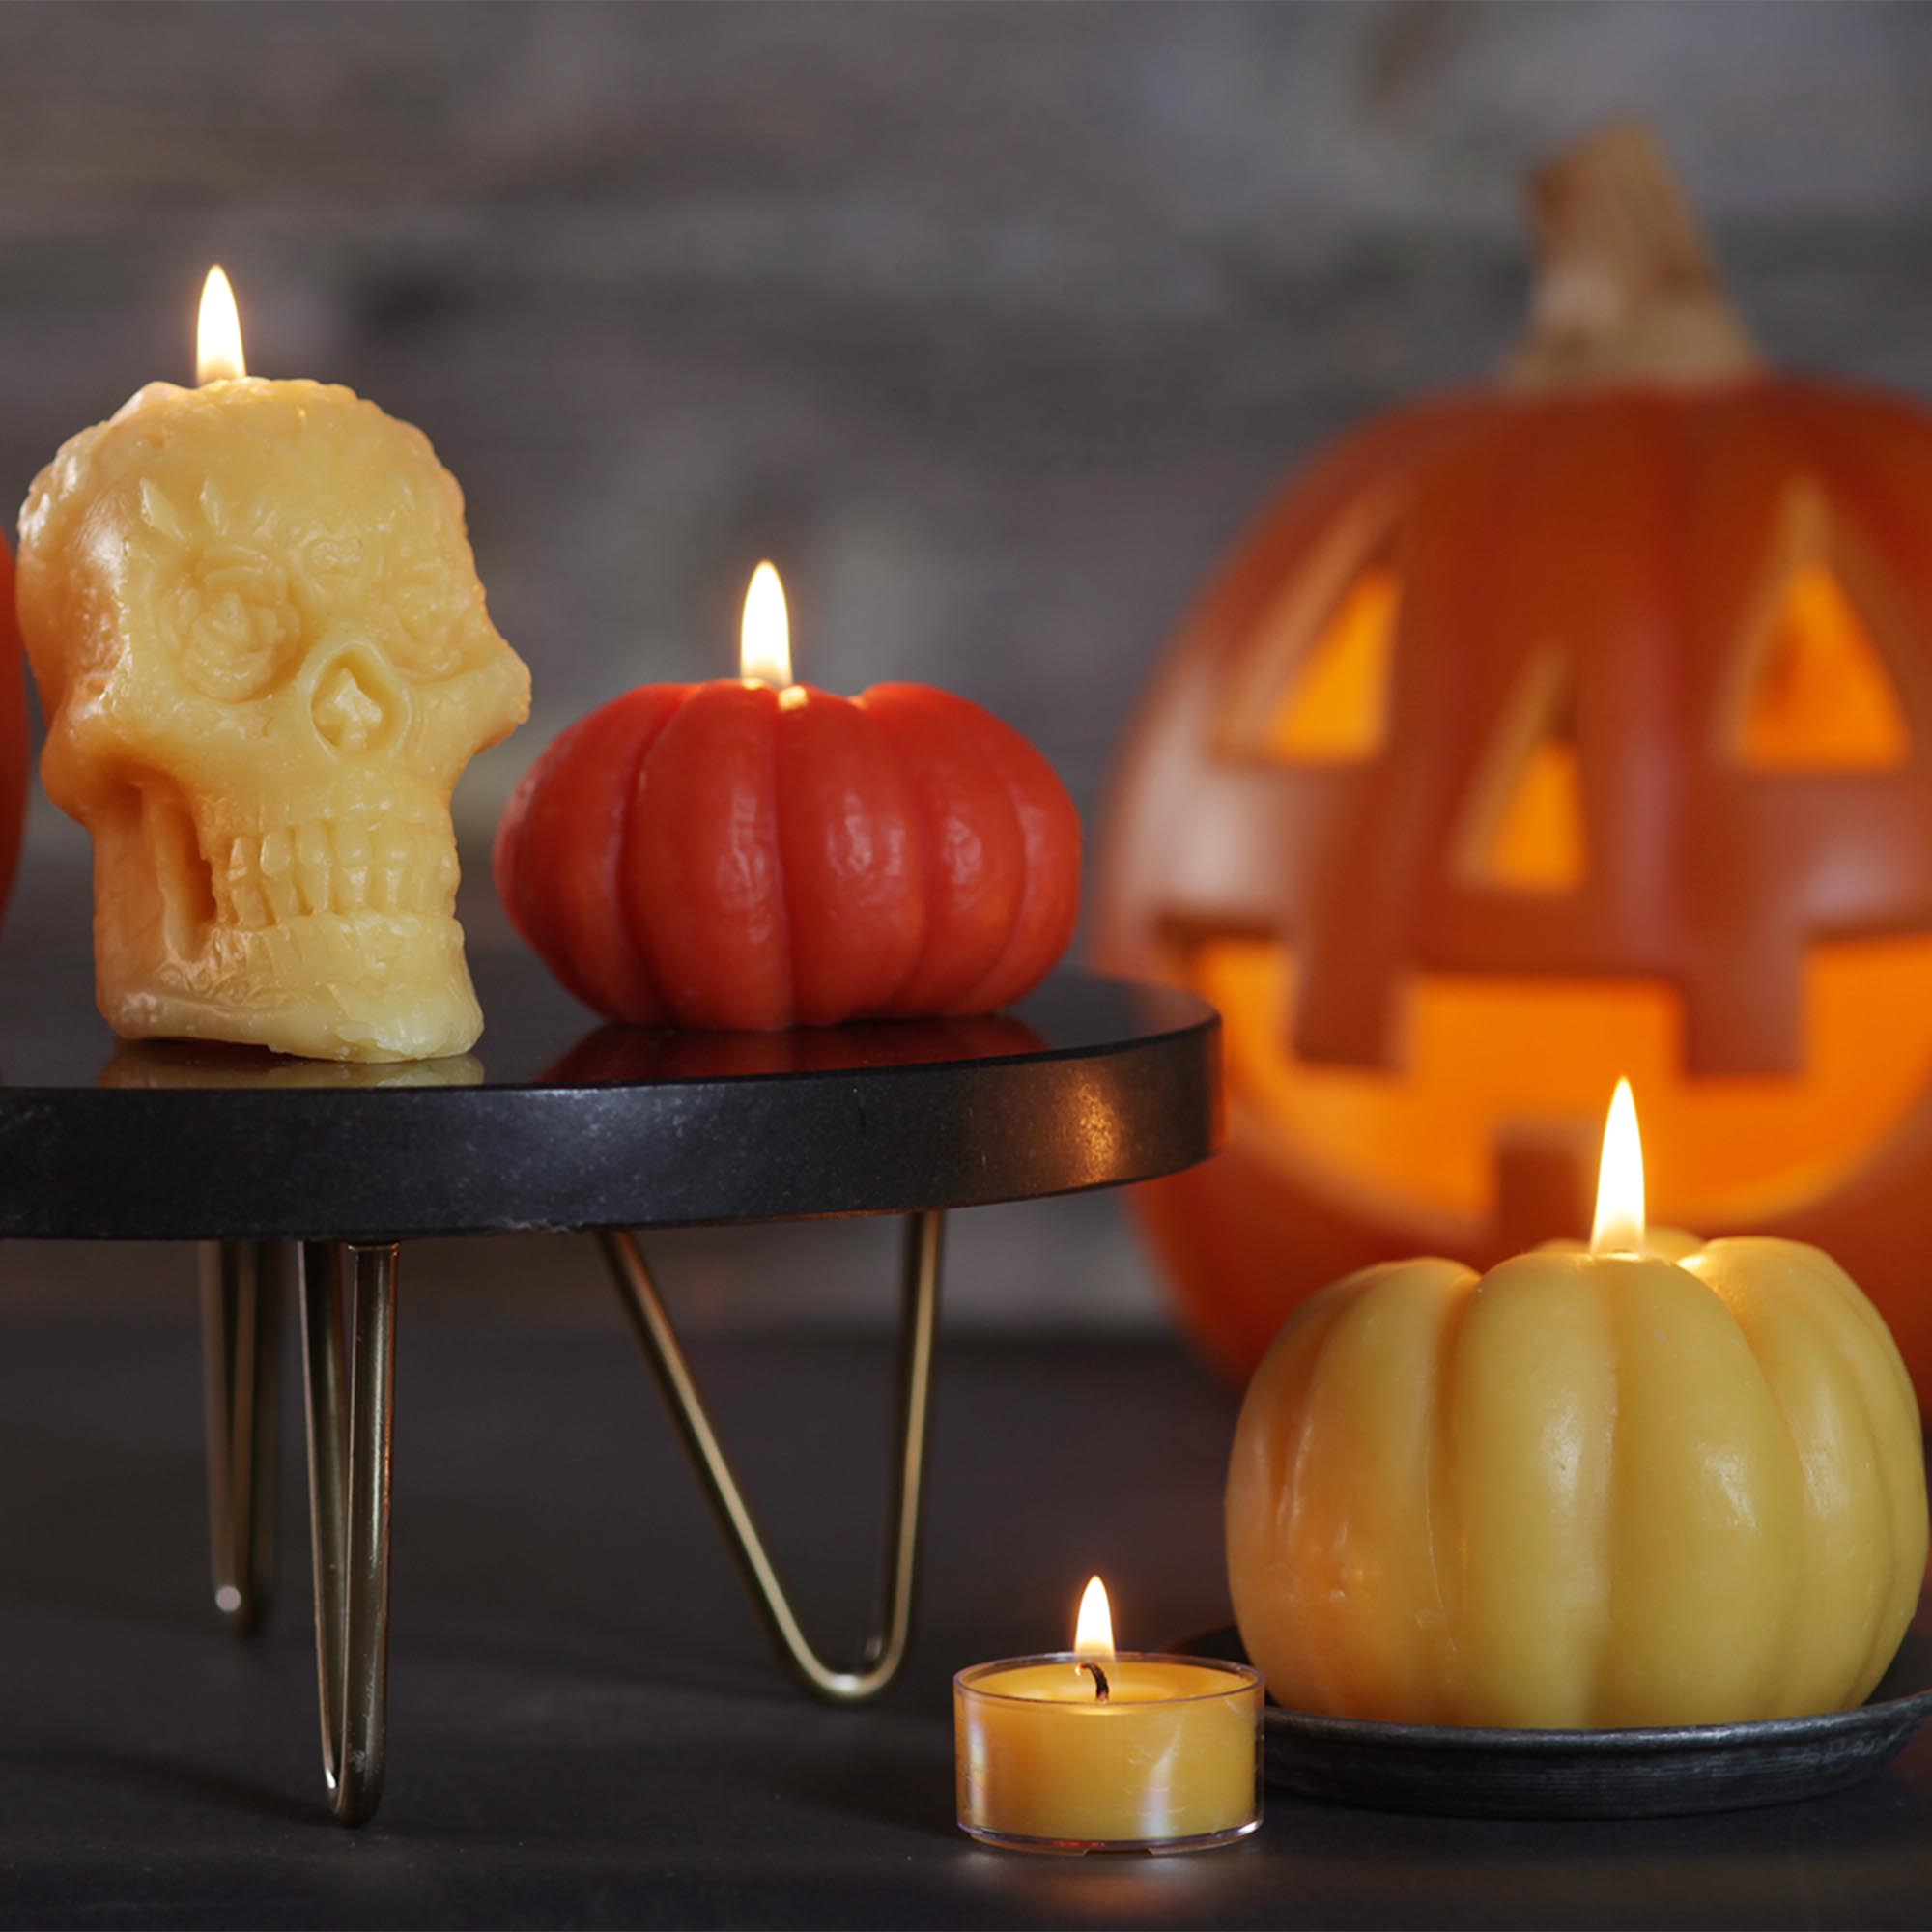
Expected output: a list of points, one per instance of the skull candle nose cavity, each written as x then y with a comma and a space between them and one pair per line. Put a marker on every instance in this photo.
356, 703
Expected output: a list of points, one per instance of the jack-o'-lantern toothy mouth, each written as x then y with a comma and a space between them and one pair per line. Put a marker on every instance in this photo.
1491, 1061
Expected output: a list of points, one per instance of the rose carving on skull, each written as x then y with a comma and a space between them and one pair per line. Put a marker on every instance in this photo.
264, 659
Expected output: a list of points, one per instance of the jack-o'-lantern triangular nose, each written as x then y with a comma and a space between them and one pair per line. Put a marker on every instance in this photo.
1524, 828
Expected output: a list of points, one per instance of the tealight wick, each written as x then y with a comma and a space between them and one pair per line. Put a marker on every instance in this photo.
1094, 1637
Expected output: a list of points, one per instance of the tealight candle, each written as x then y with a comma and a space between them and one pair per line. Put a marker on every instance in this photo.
1093, 1749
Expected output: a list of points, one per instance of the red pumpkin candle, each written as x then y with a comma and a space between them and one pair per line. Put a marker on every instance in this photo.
754, 853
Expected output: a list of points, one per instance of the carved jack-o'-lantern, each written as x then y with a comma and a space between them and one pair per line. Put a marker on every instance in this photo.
1576, 726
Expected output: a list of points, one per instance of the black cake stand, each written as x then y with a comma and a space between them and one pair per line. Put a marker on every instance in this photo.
314, 1173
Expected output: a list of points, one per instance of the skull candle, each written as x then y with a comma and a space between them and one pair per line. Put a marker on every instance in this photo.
264, 660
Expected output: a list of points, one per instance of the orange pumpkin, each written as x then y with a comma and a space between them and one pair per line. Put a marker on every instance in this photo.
1573, 727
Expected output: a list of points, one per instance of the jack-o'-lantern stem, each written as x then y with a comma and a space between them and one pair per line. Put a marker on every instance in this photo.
1626, 288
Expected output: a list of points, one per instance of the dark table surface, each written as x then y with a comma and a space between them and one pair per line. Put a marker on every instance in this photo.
586, 1728
558, 1121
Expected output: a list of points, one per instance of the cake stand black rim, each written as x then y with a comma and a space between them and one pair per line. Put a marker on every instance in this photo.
1121, 1084
1654, 1771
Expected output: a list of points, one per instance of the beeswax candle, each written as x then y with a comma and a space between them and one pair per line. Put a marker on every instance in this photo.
1089, 1749
1647, 1481
264, 659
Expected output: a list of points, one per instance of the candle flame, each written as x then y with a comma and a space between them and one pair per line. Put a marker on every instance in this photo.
1618, 1228
764, 641
218, 335
1094, 1631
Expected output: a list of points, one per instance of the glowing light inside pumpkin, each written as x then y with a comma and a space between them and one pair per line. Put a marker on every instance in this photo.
1539, 846
1094, 1629
1524, 830
1335, 709
1618, 1227
1489, 1056
764, 640
218, 333
1821, 697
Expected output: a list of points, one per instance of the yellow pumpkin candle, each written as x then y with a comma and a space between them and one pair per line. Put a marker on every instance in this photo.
264, 660
1650, 1481
1093, 1749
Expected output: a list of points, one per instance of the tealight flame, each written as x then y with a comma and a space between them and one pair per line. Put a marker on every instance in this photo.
764, 641
217, 334
1618, 1228
1094, 1631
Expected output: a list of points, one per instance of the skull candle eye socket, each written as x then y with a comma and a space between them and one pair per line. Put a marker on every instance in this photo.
236, 629
429, 638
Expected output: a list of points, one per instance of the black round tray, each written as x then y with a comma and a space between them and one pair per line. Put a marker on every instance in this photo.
1661, 1771
556, 1123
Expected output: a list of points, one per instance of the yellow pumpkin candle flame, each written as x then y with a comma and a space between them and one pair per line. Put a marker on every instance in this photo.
217, 334
1618, 1228
1093, 1637
764, 639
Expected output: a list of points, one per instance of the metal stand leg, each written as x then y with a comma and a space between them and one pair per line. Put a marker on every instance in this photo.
241, 1288
886, 1652
349, 1317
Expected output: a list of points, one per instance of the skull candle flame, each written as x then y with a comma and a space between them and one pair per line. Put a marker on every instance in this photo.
264, 659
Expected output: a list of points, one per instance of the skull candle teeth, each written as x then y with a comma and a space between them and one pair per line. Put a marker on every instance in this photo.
264, 660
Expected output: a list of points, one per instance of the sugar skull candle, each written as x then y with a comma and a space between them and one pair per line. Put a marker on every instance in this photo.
264, 660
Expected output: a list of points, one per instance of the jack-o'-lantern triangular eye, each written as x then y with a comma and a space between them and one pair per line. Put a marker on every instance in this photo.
1524, 828
1334, 709
1817, 695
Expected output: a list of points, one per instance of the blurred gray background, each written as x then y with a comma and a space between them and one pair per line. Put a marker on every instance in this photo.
990, 323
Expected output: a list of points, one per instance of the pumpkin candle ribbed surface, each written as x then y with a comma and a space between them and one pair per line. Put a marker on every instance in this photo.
1580, 1490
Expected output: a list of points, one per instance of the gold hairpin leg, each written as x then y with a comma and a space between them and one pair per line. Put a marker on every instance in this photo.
243, 1283
348, 1331
886, 1652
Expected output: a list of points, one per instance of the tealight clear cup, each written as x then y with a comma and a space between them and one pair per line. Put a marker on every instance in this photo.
1169, 1760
